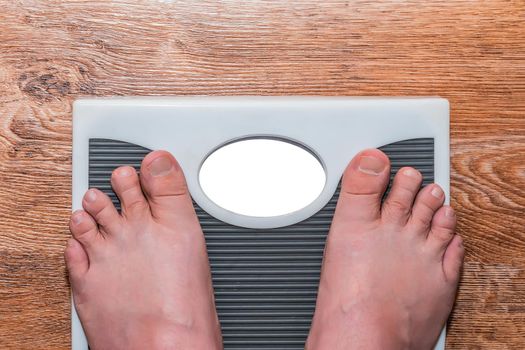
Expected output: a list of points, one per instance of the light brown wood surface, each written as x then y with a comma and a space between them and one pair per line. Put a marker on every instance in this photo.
471, 52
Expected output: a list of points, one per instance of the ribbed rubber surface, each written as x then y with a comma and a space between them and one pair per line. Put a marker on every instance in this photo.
265, 280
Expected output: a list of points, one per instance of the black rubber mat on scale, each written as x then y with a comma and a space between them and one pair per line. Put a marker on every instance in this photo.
265, 280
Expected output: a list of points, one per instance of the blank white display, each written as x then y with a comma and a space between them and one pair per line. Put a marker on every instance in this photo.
262, 177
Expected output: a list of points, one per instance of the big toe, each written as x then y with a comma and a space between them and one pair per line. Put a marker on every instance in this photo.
165, 186
363, 185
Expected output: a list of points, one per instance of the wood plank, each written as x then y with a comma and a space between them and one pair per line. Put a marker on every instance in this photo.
472, 53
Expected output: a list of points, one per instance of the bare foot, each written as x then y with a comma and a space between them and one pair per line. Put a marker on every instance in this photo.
141, 279
390, 272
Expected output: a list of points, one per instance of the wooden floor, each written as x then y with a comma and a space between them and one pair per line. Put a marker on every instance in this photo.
471, 52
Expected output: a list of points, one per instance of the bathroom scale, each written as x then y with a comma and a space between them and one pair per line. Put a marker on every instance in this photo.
265, 269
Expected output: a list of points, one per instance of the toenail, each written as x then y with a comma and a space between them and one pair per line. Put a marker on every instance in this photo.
449, 212
437, 192
77, 218
91, 196
371, 165
125, 171
160, 166
411, 172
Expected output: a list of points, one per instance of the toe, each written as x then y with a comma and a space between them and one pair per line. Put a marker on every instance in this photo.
442, 229
84, 229
453, 259
165, 187
427, 202
100, 207
77, 262
362, 188
125, 182
398, 205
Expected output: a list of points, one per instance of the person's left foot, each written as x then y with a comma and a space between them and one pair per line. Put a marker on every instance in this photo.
141, 279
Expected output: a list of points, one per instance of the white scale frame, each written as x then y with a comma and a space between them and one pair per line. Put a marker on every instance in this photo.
333, 128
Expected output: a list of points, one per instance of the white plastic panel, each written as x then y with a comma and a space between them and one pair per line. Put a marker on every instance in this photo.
334, 128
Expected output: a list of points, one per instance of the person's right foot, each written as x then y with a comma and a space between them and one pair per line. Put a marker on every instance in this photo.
390, 272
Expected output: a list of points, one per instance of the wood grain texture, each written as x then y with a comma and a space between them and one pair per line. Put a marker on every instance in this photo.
471, 52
